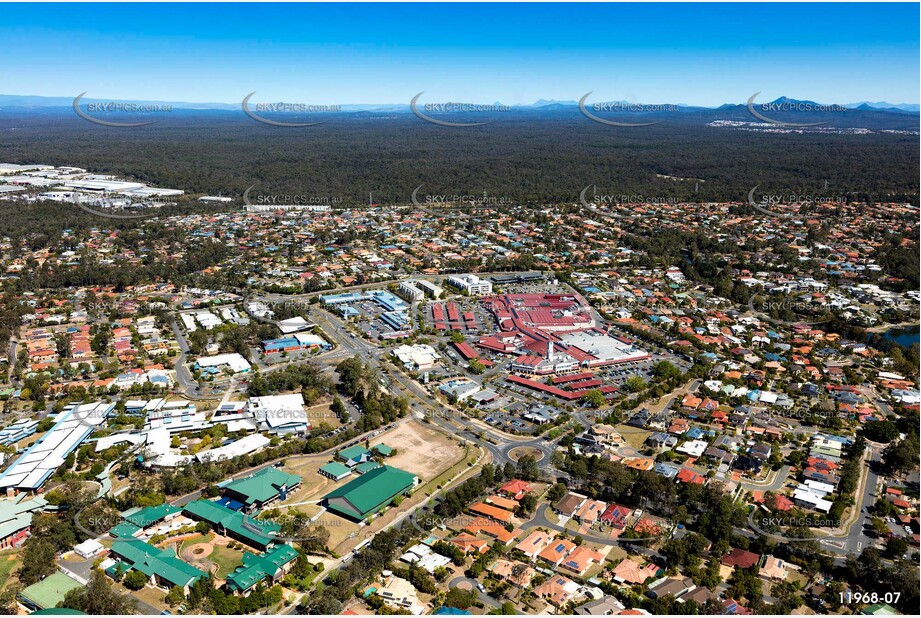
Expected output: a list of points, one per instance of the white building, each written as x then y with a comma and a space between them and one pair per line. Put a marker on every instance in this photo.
410, 292
89, 548
400, 593
235, 362
422, 556
280, 414
419, 357
460, 389
72, 426
471, 284
175, 417
694, 448
429, 288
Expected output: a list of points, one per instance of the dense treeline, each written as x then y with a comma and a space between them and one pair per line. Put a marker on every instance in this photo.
360, 381
341, 585
532, 159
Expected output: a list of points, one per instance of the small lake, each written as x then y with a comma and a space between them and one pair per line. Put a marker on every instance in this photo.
904, 336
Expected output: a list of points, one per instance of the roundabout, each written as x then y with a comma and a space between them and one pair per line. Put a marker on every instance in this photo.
515, 453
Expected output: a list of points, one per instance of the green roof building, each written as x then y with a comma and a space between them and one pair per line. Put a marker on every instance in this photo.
879, 609
383, 449
366, 467
354, 454
124, 530
369, 492
335, 471
253, 532
146, 517
49, 592
262, 487
271, 565
160, 565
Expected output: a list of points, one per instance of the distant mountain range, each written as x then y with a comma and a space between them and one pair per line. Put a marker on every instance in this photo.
8, 101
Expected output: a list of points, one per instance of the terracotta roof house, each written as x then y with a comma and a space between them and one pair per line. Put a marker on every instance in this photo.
629, 572
557, 551
581, 559
534, 543
516, 489
775, 568
469, 544
558, 590
686, 475
493, 512
590, 510
740, 558
505, 570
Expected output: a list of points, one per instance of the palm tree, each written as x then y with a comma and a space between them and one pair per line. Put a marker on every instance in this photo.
518, 571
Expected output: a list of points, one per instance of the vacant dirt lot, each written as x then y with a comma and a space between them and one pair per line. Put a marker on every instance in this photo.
420, 450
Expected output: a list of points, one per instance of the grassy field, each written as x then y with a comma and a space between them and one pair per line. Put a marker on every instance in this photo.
633, 436
195, 540
9, 562
227, 560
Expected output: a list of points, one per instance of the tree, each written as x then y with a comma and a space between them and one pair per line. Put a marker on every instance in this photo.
556, 492
8, 604
895, 547
135, 580
37, 561
527, 468
98, 597
880, 431
594, 398
902, 455
175, 596
664, 370
461, 599
634, 384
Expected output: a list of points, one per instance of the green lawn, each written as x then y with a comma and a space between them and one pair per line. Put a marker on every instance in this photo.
226, 559
9, 562
200, 538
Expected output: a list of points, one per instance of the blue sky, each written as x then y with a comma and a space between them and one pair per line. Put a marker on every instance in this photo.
512, 53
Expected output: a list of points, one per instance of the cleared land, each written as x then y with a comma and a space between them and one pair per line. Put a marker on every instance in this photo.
425, 452
421, 450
